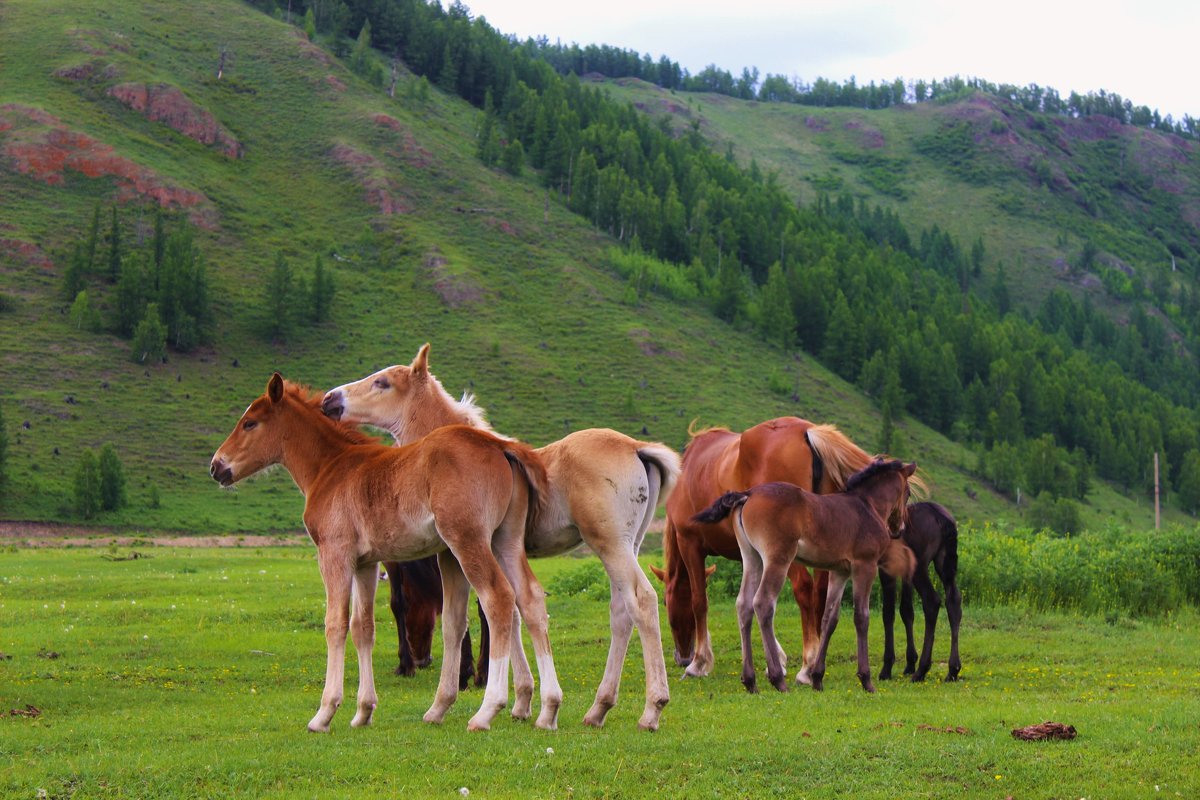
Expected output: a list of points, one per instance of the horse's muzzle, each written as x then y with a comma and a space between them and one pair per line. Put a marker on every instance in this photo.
221, 472
332, 405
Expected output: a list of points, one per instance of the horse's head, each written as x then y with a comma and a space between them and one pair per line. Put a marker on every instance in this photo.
884, 486
256, 442
677, 594
408, 401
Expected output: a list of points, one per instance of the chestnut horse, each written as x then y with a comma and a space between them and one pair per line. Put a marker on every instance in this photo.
460, 493
717, 460
932, 534
848, 533
604, 487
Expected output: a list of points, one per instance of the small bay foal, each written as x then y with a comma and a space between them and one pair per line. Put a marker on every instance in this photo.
848, 533
460, 493
604, 487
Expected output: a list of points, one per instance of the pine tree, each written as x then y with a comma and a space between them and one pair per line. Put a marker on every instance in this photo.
112, 479
514, 158
87, 485
362, 49
75, 275
279, 299
778, 320
93, 241
3, 450
448, 77
1189, 482
83, 316
322, 292
130, 306
149, 345
114, 248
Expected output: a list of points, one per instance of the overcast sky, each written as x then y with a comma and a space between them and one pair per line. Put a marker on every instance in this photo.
1146, 51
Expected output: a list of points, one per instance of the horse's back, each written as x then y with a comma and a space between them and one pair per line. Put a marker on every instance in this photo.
930, 527
775, 450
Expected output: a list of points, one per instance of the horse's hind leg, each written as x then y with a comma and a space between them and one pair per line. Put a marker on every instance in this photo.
362, 628
337, 573
765, 600
887, 593
930, 604
455, 593
466, 661
522, 676
531, 599
752, 571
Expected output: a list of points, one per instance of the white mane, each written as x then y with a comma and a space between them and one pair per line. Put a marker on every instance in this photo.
471, 412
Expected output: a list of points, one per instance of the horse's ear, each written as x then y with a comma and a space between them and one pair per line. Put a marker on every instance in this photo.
275, 388
909, 469
708, 572
658, 573
420, 363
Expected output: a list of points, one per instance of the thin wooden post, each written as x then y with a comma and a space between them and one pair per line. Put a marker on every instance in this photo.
1157, 512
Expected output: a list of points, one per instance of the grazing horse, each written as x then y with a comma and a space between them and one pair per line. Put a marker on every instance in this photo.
416, 600
932, 534
716, 460
460, 493
604, 487
848, 533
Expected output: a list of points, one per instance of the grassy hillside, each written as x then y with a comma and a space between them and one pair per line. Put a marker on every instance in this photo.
1034, 187
514, 292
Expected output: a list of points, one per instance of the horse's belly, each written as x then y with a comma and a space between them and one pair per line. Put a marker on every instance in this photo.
542, 542
408, 542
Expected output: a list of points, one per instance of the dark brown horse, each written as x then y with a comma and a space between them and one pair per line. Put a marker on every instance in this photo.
850, 534
932, 534
416, 601
717, 460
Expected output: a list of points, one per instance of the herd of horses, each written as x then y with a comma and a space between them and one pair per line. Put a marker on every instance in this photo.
453, 505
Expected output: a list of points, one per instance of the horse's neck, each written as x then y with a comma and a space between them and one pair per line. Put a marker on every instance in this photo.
434, 411
880, 497
309, 446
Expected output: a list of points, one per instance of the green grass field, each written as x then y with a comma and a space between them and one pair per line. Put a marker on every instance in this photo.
192, 673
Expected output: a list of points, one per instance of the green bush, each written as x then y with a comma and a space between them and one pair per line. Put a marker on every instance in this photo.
588, 579
1142, 573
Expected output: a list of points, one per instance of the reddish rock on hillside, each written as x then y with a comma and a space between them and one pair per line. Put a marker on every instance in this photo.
166, 104
38, 145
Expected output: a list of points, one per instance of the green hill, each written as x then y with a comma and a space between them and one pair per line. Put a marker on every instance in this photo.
1034, 187
290, 152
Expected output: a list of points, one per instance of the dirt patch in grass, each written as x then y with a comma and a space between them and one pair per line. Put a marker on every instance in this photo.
371, 175
407, 149
26, 252
164, 103
41, 146
50, 534
455, 291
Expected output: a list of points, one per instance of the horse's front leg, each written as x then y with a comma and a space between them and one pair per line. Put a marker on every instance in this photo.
864, 578
362, 628
337, 574
702, 656
833, 607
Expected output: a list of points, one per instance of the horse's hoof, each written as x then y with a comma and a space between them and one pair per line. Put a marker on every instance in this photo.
918, 677
804, 677
650, 725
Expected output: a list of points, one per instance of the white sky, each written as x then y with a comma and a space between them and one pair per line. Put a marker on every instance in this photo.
1144, 50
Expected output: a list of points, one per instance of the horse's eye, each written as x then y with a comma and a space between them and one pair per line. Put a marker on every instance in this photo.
249, 425
382, 383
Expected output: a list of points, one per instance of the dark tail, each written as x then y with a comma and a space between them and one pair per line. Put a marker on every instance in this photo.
949, 544
723, 507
